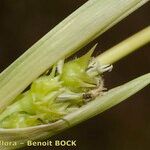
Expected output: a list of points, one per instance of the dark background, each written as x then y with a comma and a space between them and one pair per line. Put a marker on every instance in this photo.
124, 127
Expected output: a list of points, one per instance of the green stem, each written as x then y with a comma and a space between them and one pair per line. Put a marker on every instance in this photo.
126, 47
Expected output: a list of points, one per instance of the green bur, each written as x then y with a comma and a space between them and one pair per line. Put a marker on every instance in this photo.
74, 75
45, 101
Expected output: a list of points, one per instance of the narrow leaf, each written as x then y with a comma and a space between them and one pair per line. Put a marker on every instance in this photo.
97, 106
76, 31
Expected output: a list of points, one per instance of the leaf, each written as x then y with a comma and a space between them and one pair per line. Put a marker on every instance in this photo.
76, 31
97, 106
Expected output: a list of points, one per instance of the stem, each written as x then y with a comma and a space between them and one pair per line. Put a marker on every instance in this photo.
126, 47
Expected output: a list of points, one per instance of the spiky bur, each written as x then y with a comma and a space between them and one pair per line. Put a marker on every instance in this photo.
65, 89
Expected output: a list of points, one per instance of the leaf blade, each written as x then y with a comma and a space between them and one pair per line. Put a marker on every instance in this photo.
100, 104
55, 45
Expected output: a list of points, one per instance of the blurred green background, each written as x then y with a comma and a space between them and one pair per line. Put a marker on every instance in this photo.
124, 127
